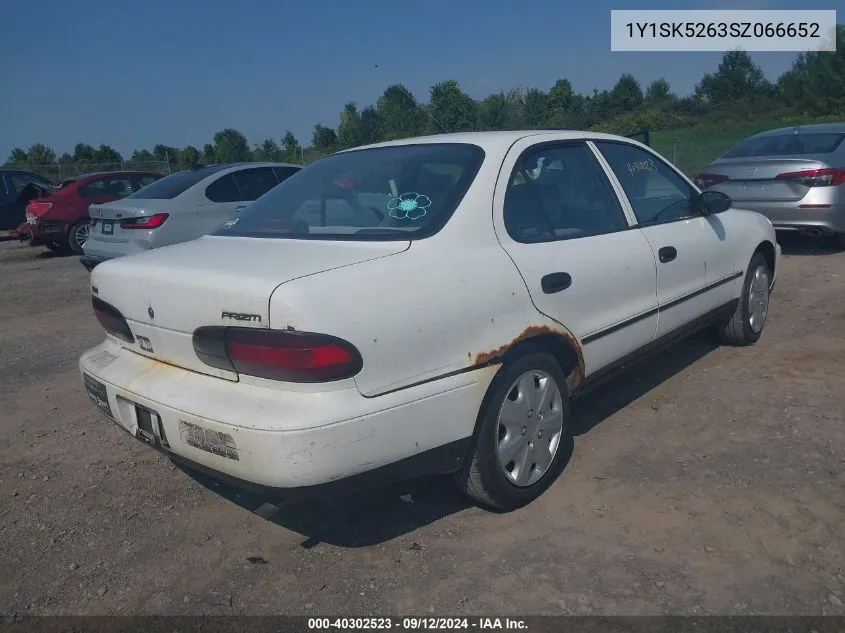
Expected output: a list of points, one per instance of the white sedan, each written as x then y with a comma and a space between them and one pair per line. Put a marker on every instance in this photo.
421, 306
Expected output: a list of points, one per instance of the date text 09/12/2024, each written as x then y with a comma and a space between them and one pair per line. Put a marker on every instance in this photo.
415, 623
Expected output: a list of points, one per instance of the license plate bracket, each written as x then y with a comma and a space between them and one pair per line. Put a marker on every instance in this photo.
97, 392
108, 227
150, 429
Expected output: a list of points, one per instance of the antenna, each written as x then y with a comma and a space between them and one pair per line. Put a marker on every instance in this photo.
420, 106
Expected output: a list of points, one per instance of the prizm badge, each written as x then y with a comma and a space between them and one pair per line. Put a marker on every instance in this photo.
241, 316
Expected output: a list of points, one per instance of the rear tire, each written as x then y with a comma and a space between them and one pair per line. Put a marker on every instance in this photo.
746, 324
521, 435
77, 236
840, 240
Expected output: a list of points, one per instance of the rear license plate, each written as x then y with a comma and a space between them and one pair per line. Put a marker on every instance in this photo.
108, 227
97, 391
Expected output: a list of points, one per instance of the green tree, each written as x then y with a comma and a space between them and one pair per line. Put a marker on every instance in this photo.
371, 126
558, 103
400, 116
65, 159
271, 150
451, 107
189, 156
166, 154
535, 108
349, 130
106, 154
324, 139
659, 94
626, 95
291, 150
209, 157
142, 156
17, 157
737, 78
493, 113
83, 153
816, 81
40, 154
231, 146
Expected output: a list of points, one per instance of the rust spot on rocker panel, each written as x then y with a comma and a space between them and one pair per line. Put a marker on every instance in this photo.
575, 376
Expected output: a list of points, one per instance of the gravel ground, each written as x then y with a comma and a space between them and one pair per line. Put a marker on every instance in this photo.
708, 481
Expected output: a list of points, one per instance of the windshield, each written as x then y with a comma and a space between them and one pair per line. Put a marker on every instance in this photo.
786, 145
383, 193
171, 186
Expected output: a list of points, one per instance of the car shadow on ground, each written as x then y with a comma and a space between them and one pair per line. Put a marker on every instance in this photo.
797, 244
377, 516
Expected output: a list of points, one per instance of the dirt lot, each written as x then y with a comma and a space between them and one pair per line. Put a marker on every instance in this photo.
708, 481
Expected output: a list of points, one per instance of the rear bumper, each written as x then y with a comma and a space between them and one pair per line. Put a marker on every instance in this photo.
271, 439
48, 232
792, 218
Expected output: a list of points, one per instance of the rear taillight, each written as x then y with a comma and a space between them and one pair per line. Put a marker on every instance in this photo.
278, 355
38, 208
702, 181
112, 320
816, 177
146, 222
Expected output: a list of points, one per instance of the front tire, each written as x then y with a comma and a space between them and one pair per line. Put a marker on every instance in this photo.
521, 433
746, 324
77, 236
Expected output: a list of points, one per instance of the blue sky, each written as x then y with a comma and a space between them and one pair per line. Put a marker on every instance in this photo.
132, 74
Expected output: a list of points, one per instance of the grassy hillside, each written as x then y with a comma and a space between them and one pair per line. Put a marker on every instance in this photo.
691, 148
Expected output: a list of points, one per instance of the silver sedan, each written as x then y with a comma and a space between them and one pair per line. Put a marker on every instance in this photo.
794, 176
180, 207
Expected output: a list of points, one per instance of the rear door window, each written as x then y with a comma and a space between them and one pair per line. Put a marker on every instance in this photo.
224, 189
283, 173
254, 183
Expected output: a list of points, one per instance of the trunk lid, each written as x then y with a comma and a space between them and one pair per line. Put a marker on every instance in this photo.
756, 179
106, 217
167, 293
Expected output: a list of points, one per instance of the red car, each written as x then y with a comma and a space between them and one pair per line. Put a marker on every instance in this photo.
61, 220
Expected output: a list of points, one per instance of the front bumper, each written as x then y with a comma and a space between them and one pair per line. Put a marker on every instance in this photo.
274, 439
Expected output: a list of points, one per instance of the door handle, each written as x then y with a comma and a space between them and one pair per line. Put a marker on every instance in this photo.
555, 282
240, 208
667, 254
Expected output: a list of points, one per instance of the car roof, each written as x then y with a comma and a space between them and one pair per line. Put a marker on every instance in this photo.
813, 128
498, 141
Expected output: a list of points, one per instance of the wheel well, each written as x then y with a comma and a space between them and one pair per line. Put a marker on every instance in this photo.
767, 249
556, 345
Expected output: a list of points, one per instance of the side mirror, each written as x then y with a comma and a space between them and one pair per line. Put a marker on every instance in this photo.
711, 202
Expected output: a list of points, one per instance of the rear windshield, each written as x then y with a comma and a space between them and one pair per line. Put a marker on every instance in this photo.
787, 145
171, 186
384, 193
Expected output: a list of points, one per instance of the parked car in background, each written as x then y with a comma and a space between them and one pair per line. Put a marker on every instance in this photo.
181, 207
17, 188
61, 219
421, 306
795, 176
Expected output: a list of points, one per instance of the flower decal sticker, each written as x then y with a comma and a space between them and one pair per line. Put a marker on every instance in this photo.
409, 206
